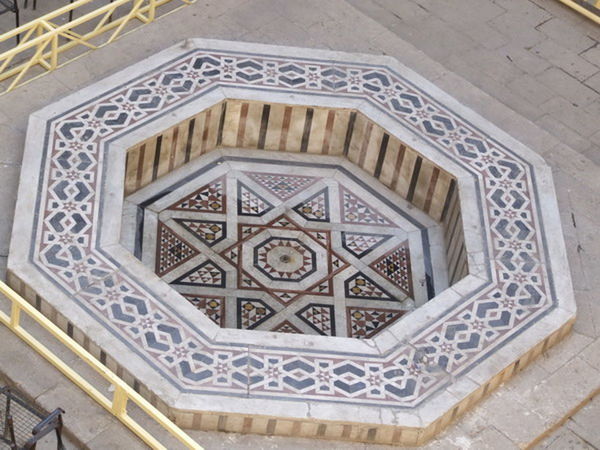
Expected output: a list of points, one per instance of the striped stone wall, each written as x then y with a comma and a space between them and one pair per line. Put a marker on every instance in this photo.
454, 237
314, 130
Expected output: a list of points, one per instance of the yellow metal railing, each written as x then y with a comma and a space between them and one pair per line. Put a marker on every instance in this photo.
123, 393
43, 42
592, 13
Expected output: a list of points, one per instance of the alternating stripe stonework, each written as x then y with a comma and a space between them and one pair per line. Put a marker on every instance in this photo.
277, 127
454, 237
314, 130
401, 386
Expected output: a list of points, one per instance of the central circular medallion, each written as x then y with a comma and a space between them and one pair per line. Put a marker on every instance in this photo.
284, 259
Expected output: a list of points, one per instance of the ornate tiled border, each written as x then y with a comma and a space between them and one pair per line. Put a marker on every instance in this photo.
518, 292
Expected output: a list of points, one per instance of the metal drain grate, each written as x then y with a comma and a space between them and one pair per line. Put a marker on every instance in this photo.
22, 424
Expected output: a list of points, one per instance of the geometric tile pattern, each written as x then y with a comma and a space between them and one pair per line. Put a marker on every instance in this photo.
208, 231
172, 251
212, 306
316, 207
207, 274
264, 254
361, 286
319, 317
209, 198
250, 203
358, 211
284, 259
63, 245
282, 186
252, 312
361, 244
395, 266
366, 322
286, 327
268, 259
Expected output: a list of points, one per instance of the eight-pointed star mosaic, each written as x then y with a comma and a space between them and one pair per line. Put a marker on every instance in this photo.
286, 247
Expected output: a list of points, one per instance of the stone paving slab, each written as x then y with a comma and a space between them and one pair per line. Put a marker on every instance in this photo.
533, 30
585, 423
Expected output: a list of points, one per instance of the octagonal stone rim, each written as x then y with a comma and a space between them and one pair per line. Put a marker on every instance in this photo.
557, 255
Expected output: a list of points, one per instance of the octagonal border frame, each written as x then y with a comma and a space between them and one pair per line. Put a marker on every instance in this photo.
24, 262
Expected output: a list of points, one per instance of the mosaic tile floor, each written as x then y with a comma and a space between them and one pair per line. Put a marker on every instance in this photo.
288, 248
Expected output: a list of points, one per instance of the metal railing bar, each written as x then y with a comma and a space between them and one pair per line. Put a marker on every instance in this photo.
584, 11
123, 393
48, 32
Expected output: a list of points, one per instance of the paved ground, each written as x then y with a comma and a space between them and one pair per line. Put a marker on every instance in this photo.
535, 57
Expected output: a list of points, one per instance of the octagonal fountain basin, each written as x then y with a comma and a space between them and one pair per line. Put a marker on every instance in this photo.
288, 241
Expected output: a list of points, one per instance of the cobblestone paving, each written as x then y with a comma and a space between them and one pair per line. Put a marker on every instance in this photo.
536, 57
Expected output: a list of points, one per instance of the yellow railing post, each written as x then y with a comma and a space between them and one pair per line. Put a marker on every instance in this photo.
123, 392
119, 402
40, 33
15, 315
133, 13
35, 59
152, 10
54, 52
